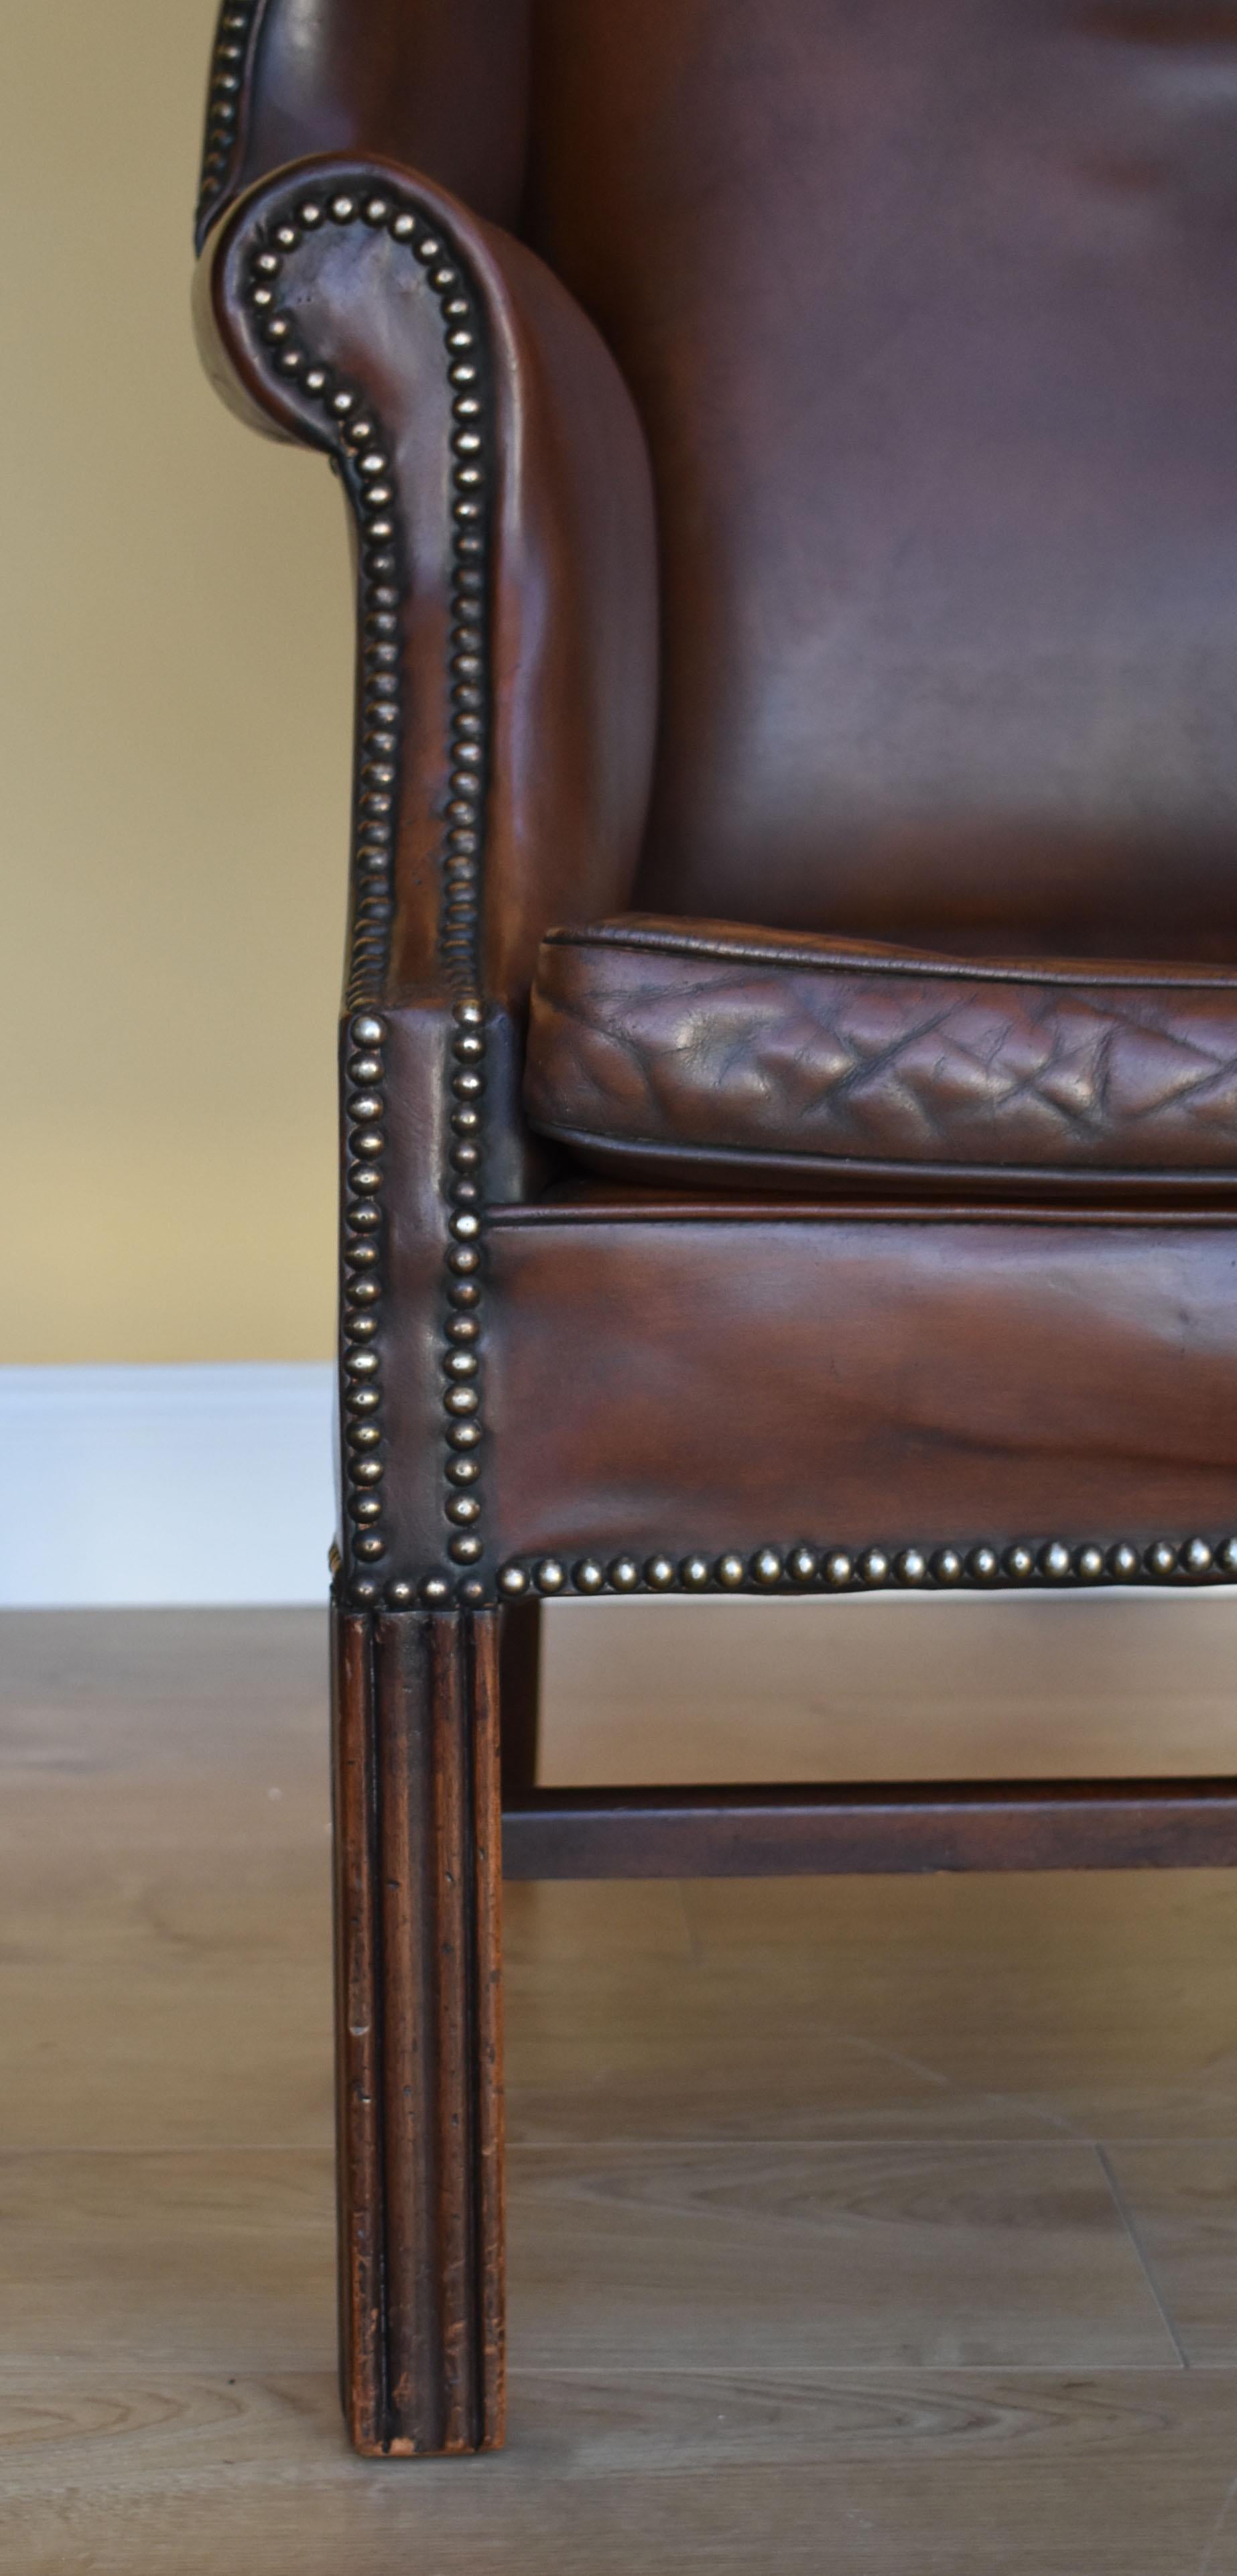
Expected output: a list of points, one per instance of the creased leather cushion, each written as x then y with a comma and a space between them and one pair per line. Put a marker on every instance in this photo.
663, 1048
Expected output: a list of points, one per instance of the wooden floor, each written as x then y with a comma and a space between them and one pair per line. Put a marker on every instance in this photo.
856, 2225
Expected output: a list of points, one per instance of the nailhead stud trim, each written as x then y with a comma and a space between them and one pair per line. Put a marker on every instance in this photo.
363, 450
230, 63
1040, 1565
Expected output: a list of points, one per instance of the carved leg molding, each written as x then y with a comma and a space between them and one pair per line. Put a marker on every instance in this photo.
418, 1868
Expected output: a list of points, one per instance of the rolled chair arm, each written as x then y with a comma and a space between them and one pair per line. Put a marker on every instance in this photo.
502, 508
506, 566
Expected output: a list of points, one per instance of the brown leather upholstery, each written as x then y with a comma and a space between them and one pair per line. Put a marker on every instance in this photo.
439, 85
709, 1051
903, 1376
928, 308
920, 315
792, 453
567, 729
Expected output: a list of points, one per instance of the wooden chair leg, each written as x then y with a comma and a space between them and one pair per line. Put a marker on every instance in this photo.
418, 1874
520, 1661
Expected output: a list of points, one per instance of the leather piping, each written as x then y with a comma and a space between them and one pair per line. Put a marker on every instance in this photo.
617, 1153
814, 950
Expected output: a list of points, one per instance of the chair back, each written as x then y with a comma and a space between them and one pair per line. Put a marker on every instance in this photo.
930, 311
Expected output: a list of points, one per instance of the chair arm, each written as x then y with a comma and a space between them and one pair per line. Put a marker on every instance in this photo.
502, 502
502, 509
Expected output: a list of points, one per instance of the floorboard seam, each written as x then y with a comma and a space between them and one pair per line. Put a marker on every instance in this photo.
1216, 2532
1134, 2233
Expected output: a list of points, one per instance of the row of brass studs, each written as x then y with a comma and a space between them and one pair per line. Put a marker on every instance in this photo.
233, 37
366, 467
459, 946
460, 1354
361, 1365
809, 1569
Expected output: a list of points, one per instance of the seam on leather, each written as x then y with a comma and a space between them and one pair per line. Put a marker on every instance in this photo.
958, 970
1076, 1179
509, 1217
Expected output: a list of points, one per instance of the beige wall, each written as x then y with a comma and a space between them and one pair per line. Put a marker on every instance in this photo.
174, 703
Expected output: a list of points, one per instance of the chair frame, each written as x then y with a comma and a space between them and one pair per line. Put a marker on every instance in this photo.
436, 1654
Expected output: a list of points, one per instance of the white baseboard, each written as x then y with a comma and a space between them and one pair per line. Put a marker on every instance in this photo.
161, 1485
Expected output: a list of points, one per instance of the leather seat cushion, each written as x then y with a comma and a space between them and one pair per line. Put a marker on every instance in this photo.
674, 1050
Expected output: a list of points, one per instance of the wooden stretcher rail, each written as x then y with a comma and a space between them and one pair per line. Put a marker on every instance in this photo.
759, 1832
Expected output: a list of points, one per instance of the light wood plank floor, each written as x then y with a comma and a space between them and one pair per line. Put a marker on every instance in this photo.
861, 2226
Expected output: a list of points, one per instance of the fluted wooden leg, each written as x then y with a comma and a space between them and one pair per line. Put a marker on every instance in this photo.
417, 1879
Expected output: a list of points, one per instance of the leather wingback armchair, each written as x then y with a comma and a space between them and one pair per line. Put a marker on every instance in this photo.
789, 1053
